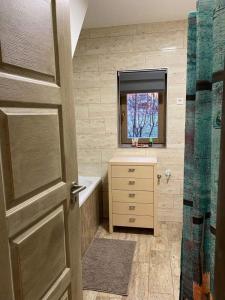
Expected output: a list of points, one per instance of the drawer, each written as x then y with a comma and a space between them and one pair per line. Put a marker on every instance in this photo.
132, 171
133, 196
132, 221
132, 184
133, 209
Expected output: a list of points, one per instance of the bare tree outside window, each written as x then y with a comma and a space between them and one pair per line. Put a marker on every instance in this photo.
142, 97
142, 115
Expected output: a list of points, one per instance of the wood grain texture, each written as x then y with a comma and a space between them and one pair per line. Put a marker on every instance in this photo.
132, 196
33, 142
31, 210
160, 275
132, 221
133, 171
133, 184
59, 287
37, 92
37, 116
68, 117
132, 192
133, 160
90, 219
36, 268
65, 296
146, 262
26, 33
133, 209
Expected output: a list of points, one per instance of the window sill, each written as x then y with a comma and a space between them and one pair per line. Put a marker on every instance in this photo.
154, 146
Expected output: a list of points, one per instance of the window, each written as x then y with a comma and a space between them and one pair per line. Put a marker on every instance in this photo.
142, 106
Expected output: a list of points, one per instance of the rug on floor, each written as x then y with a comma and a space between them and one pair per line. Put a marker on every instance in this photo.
107, 266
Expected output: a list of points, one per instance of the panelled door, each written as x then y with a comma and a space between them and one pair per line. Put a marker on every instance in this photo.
39, 228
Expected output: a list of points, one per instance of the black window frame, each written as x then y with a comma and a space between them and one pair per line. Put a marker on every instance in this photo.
123, 141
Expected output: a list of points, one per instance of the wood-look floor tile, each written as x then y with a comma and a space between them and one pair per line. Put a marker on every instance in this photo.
89, 295
160, 297
160, 275
174, 232
143, 248
175, 265
105, 296
152, 277
176, 287
138, 288
175, 258
160, 244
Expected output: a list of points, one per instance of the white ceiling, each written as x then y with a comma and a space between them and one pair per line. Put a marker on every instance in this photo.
103, 13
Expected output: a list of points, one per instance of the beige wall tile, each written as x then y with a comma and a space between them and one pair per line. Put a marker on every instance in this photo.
106, 45
87, 96
161, 27
108, 95
100, 54
89, 156
99, 141
155, 41
90, 126
87, 169
166, 59
111, 125
86, 64
170, 215
81, 112
125, 30
166, 200
102, 110
85, 80
85, 34
122, 61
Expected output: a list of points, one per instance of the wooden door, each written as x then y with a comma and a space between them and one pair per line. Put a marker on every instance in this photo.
39, 229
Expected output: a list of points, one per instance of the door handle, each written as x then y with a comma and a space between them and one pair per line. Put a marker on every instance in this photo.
75, 190
132, 220
131, 207
131, 182
131, 195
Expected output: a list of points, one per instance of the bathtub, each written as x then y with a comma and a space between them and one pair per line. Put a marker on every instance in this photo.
90, 202
91, 183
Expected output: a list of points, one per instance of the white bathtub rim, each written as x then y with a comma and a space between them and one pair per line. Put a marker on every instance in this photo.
84, 195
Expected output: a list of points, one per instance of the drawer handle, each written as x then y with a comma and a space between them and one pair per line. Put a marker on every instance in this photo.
131, 182
131, 195
131, 207
132, 220
131, 170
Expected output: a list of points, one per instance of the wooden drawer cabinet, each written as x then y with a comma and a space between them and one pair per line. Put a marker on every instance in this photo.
133, 221
139, 209
132, 193
132, 184
132, 171
132, 196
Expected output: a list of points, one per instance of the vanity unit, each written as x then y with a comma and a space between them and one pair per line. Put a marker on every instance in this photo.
132, 192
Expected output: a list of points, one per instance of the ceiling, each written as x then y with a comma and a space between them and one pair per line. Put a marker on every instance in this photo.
103, 13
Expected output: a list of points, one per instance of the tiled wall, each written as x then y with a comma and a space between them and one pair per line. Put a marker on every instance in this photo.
100, 54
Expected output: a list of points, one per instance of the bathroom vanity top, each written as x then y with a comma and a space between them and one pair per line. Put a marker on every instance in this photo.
134, 159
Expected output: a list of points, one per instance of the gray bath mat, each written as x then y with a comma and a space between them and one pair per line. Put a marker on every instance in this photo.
107, 266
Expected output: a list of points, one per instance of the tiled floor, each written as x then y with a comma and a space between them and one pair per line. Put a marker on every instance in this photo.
156, 265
